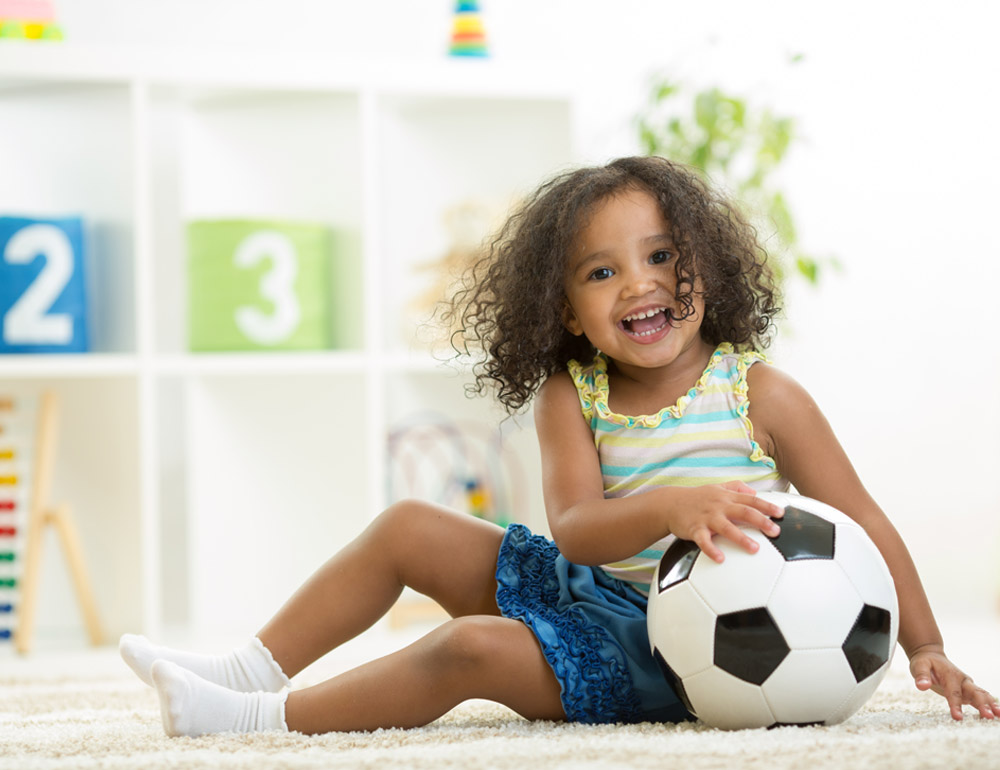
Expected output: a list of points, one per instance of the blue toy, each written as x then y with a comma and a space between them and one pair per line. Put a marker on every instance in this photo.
43, 298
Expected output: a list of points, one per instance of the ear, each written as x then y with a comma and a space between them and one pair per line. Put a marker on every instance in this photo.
570, 321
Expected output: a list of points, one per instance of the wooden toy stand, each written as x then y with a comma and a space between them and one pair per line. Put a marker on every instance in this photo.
41, 514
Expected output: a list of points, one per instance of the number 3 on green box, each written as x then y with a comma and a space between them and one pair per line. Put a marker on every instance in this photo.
258, 285
43, 299
276, 286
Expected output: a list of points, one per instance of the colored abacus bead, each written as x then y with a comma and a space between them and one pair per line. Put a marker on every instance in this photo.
5, 633
8, 531
8, 582
7, 556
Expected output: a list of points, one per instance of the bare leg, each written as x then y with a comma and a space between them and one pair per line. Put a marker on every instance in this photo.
471, 657
448, 556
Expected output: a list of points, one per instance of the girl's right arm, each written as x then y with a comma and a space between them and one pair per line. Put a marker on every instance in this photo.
591, 529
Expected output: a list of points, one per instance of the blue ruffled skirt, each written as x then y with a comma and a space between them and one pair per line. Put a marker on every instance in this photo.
592, 630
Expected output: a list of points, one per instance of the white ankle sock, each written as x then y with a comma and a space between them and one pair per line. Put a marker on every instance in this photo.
245, 669
193, 706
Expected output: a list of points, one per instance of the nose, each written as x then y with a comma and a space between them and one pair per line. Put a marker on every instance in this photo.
639, 281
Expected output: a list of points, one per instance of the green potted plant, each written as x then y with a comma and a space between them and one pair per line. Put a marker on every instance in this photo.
739, 146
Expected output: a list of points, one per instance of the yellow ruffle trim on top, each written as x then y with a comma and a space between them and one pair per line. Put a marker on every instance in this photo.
595, 398
757, 453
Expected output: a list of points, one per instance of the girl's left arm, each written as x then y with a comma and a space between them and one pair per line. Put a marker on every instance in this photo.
791, 428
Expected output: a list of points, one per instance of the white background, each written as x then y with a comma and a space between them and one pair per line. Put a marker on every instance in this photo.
895, 174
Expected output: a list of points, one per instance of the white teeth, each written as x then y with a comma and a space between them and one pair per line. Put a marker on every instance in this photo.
646, 314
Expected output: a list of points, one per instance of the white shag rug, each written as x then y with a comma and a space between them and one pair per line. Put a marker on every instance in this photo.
102, 717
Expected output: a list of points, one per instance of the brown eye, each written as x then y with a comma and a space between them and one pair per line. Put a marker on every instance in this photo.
601, 274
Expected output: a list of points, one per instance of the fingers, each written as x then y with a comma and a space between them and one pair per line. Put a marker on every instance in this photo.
979, 699
947, 682
740, 538
924, 683
756, 513
988, 707
962, 690
754, 518
766, 509
749, 497
957, 688
704, 539
953, 695
725, 513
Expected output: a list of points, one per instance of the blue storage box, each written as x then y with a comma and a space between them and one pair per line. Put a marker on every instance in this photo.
43, 297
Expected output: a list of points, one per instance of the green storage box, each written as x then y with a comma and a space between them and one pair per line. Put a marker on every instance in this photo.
268, 285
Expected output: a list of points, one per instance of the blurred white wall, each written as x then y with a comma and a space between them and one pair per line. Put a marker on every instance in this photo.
896, 175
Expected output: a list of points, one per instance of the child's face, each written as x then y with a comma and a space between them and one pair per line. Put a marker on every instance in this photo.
620, 284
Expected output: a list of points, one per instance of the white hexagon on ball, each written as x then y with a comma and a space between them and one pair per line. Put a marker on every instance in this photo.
743, 580
723, 701
859, 696
685, 629
814, 604
865, 567
826, 670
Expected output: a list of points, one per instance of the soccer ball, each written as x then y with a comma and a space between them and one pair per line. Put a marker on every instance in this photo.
801, 632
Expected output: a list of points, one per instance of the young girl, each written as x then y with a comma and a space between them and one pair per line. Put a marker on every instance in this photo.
629, 301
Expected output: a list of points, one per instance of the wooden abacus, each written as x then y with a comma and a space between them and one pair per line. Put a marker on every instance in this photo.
40, 514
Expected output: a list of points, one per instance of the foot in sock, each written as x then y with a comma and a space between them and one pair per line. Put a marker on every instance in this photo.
193, 706
245, 669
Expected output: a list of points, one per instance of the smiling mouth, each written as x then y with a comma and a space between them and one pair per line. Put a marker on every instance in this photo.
646, 322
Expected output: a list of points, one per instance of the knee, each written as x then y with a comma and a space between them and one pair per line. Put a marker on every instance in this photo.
407, 516
473, 643
403, 530
411, 523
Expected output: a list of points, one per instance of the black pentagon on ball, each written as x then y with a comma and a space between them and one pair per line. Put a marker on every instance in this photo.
804, 535
676, 564
867, 646
674, 681
776, 725
749, 644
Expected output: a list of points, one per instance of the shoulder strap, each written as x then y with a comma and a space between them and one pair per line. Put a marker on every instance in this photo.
584, 378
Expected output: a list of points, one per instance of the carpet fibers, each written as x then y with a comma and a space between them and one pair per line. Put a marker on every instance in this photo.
108, 719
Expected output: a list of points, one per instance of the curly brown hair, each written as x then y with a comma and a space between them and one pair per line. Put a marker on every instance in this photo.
508, 313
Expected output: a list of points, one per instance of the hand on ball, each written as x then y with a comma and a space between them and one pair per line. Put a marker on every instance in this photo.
700, 513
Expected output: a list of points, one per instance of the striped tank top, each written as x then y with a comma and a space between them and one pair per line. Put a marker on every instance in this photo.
705, 438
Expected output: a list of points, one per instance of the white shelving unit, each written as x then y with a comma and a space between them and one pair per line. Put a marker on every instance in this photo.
208, 486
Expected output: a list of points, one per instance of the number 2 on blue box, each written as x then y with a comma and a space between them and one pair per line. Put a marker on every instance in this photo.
43, 300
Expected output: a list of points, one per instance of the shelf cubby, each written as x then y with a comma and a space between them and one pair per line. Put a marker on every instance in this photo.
209, 485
